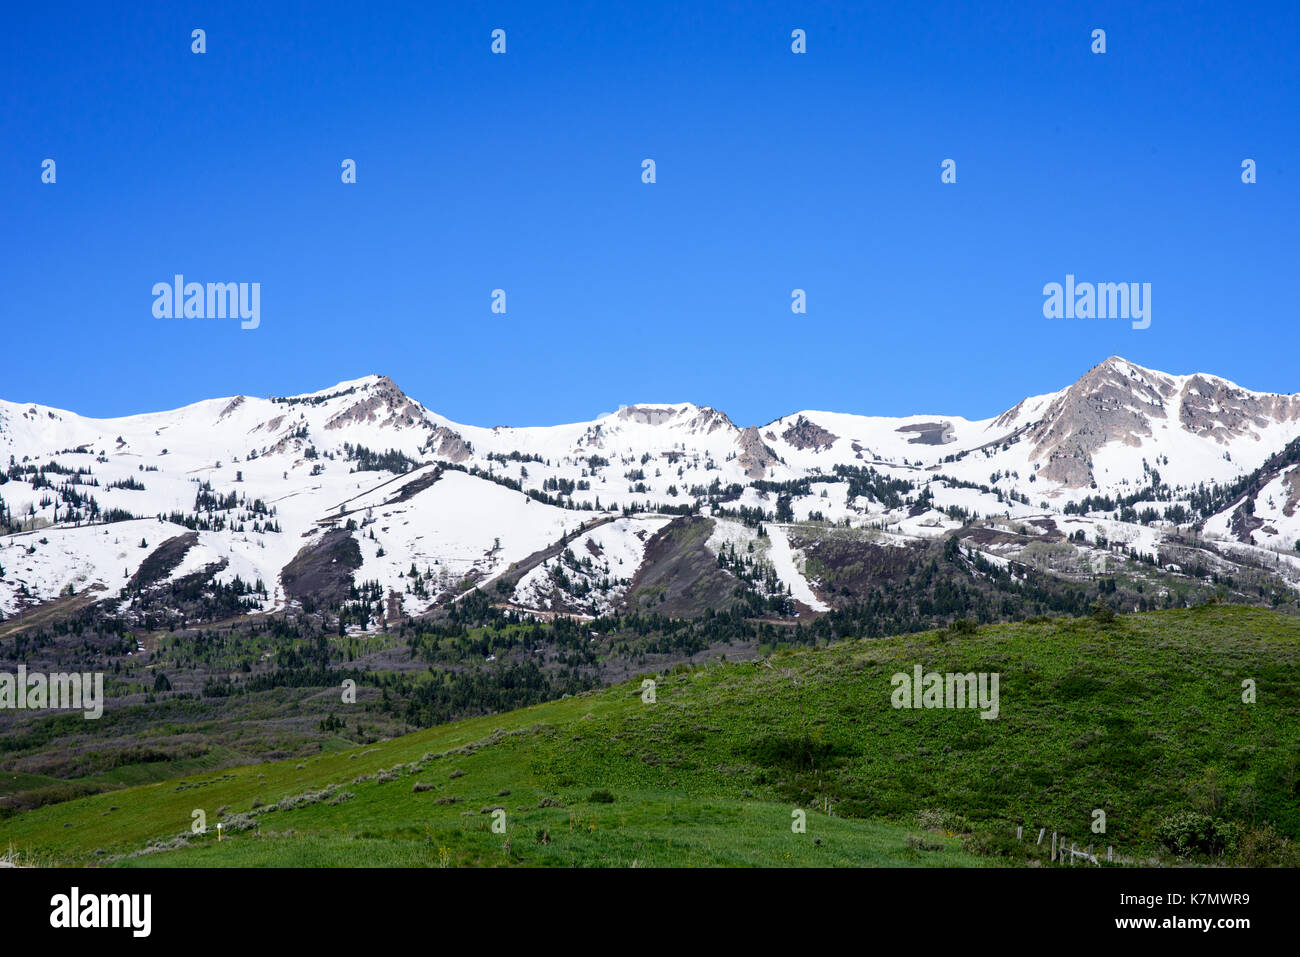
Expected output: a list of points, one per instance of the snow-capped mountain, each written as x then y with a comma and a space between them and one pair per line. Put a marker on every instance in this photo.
359, 483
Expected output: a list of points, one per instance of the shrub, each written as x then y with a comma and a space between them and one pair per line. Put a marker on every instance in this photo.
1190, 832
989, 844
305, 799
917, 843
1265, 847
937, 819
600, 797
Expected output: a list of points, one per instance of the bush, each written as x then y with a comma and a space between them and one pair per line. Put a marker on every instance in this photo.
922, 843
1102, 612
1191, 832
996, 844
936, 819
600, 797
1265, 847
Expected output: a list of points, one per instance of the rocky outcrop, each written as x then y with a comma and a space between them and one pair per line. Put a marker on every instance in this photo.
806, 434
1117, 401
1292, 485
231, 406
384, 404
755, 456
696, 420
1113, 402
449, 444
1216, 409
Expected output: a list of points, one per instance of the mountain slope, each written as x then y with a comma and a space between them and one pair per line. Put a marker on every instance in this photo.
436, 507
709, 773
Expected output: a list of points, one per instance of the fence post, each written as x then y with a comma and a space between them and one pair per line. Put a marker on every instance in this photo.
1041, 832
1020, 833
1110, 852
1053, 845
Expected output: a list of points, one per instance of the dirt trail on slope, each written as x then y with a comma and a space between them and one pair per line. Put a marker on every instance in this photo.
51, 611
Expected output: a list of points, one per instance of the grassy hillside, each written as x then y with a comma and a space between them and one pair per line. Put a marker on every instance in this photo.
1141, 717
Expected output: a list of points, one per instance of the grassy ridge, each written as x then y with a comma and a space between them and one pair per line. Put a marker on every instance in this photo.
1142, 718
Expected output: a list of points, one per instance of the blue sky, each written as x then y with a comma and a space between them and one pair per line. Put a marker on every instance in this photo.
775, 171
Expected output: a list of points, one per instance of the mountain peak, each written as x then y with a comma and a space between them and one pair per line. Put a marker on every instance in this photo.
695, 418
346, 387
377, 400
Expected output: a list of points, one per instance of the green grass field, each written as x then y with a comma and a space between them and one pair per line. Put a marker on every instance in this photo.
1141, 718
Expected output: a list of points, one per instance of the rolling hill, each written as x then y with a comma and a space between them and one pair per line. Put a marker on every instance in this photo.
1139, 716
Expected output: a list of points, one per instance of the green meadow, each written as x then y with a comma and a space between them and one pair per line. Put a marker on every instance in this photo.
1141, 718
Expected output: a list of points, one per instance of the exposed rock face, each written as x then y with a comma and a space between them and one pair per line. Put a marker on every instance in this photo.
285, 443
1114, 401
384, 404
706, 420
755, 456
1213, 408
234, 404
449, 444
1117, 401
697, 420
1292, 485
1009, 418
804, 434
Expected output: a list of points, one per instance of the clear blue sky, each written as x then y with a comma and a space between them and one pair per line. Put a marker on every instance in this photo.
775, 171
